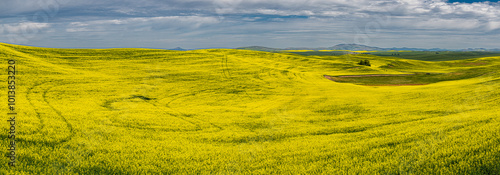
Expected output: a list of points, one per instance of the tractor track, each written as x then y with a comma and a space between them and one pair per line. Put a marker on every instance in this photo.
42, 121
185, 117
198, 123
40, 115
182, 95
70, 127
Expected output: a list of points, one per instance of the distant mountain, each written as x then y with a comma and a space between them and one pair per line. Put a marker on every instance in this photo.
178, 48
359, 47
417, 49
304, 48
354, 47
212, 48
259, 48
480, 49
475, 49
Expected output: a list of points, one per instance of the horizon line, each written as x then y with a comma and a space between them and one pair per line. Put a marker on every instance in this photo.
239, 47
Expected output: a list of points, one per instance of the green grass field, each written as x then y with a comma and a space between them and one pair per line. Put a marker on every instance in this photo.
224, 111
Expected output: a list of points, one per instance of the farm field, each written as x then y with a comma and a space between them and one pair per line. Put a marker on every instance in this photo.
227, 111
413, 55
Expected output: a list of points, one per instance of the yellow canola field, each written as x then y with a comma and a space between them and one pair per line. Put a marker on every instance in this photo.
224, 111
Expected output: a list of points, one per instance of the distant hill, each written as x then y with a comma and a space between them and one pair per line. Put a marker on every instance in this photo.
359, 47
480, 49
305, 48
178, 48
259, 48
416, 49
354, 47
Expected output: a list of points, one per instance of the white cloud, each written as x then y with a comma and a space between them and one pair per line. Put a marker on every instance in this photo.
493, 25
256, 20
22, 32
23, 27
437, 23
164, 22
423, 14
78, 30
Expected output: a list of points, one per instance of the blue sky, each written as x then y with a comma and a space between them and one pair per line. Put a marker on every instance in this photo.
235, 23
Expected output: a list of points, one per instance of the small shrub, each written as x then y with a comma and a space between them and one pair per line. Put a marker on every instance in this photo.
365, 62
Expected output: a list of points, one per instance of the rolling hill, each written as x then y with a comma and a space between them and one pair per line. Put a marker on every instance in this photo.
229, 111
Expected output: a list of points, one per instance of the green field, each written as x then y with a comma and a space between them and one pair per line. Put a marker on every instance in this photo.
439, 55
414, 55
225, 111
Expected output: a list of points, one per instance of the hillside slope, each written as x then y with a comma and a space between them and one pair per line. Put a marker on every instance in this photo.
138, 111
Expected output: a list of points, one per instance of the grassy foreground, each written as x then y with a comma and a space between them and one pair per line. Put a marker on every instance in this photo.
223, 111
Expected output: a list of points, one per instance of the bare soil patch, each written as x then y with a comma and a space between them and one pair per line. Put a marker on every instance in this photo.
375, 75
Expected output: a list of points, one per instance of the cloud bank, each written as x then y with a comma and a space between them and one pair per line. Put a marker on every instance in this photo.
233, 23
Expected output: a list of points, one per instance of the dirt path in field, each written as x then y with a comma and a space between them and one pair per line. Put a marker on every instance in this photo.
375, 75
328, 77
394, 84
332, 78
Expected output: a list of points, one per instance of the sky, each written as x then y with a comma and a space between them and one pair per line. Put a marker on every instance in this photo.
235, 23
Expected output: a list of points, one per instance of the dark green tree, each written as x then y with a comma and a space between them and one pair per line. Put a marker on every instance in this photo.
365, 63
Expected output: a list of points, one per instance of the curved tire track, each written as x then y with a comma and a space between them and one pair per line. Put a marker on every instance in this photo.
198, 123
182, 95
185, 116
70, 127
40, 115
42, 121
